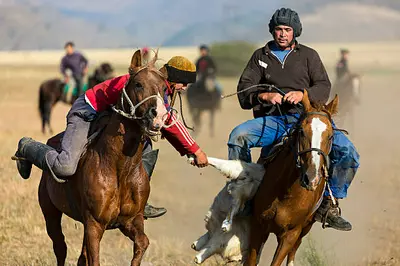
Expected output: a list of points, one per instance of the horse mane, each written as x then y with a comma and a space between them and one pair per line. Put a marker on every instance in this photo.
320, 107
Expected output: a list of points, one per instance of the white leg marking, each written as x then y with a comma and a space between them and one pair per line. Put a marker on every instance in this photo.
290, 263
317, 127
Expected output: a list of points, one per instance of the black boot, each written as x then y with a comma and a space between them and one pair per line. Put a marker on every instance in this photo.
153, 212
149, 160
31, 152
329, 215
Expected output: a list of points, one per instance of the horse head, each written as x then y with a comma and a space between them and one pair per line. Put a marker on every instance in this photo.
314, 141
106, 71
142, 98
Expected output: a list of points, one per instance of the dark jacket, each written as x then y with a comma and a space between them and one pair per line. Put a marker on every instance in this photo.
76, 62
301, 69
205, 66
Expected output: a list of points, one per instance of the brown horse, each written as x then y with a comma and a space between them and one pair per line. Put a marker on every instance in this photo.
110, 187
202, 96
52, 91
102, 73
293, 185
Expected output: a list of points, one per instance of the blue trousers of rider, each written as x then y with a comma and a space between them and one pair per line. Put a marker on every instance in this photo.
267, 131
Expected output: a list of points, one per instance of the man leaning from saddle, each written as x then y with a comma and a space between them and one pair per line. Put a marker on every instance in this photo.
180, 72
289, 65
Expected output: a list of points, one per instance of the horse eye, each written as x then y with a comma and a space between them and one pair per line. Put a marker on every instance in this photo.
138, 86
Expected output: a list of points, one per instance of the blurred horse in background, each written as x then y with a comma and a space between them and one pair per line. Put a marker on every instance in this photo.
53, 90
348, 88
203, 96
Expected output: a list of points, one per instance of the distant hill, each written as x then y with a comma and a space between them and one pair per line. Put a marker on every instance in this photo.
331, 23
29, 27
47, 24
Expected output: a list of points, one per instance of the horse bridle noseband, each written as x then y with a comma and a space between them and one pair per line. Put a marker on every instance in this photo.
319, 151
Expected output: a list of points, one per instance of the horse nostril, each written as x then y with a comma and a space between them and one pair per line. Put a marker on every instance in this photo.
153, 112
157, 127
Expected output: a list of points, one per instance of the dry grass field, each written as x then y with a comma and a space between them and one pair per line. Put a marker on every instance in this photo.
187, 192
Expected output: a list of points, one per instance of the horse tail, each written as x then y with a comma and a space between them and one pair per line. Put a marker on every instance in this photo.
41, 100
44, 106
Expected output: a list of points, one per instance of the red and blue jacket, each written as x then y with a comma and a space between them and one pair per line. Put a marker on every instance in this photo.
110, 93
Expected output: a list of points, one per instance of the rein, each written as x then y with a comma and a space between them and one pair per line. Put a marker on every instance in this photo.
327, 161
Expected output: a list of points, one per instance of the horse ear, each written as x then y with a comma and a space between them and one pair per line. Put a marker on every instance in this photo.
306, 101
136, 60
332, 107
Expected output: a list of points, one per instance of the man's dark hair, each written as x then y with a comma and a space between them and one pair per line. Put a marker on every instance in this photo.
69, 44
204, 47
344, 51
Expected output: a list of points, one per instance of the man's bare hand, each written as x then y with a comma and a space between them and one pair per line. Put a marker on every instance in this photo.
200, 159
293, 97
270, 97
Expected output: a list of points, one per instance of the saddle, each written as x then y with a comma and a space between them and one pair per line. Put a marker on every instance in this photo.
276, 149
96, 128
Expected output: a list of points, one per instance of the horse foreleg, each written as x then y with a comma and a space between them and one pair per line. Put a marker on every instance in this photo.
286, 242
196, 120
93, 233
292, 253
49, 126
82, 261
212, 114
53, 224
135, 231
201, 242
257, 240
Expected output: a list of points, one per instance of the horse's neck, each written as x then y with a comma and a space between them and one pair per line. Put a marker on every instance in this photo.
284, 165
122, 141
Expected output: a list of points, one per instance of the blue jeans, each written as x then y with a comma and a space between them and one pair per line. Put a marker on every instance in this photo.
267, 131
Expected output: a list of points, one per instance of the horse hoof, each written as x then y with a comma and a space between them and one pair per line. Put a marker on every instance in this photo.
193, 246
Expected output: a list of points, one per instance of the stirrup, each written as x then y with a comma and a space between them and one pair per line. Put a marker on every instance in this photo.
325, 217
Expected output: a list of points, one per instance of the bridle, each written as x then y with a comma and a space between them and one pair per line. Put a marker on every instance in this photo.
299, 153
131, 114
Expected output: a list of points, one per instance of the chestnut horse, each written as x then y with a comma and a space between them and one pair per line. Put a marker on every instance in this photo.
110, 187
293, 185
